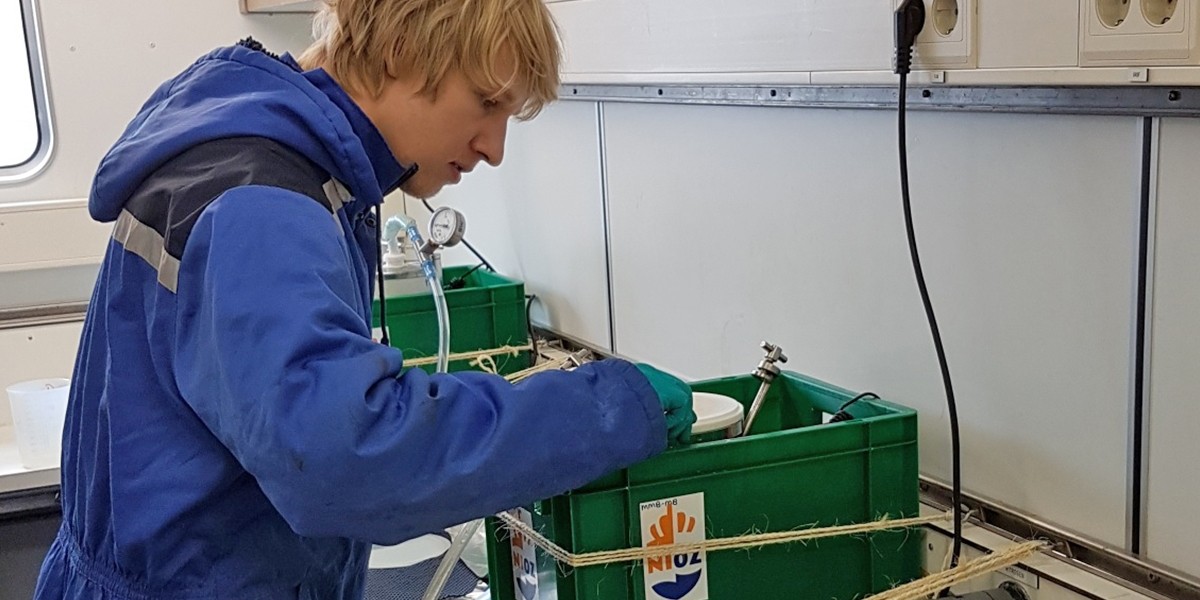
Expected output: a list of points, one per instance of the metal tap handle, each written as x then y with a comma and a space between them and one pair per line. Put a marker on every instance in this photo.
774, 353
767, 369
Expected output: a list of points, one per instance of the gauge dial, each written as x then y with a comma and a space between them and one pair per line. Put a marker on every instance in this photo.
447, 226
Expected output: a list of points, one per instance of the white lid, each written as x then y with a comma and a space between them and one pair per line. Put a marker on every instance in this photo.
715, 412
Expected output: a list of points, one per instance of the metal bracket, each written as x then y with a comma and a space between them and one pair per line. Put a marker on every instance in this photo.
1144, 101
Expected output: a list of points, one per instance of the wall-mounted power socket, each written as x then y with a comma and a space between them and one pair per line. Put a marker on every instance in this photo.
948, 39
1138, 32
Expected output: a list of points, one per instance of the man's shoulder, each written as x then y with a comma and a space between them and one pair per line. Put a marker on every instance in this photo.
213, 167
176, 194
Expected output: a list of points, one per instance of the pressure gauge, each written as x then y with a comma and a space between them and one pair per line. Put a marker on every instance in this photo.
447, 227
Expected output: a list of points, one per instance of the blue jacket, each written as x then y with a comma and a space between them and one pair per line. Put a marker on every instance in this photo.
233, 431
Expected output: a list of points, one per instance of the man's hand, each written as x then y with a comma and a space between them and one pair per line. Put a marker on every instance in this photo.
676, 399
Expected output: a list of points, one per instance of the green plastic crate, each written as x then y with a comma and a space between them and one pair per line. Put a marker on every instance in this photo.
488, 312
793, 472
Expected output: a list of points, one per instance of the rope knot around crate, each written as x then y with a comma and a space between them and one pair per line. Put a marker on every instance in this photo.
920, 588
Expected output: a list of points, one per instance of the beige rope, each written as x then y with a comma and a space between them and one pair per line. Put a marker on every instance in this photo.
746, 541
485, 360
487, 364
494, 352
923, 588
916, 590
538, 368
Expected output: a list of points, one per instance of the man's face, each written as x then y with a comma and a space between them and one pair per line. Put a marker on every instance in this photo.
447, 133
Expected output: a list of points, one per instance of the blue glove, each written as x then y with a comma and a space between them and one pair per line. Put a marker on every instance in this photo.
676, 399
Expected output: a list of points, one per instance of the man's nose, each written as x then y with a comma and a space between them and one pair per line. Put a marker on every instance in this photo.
490, 143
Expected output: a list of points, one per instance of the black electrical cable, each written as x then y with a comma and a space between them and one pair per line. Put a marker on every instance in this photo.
842, 415
910, 18
533, 356
465, 242
461, 281
482, 260
383, 336
951, 406
383, 332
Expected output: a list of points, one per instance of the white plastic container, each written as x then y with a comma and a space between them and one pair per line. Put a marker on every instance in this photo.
39, 409
717, 417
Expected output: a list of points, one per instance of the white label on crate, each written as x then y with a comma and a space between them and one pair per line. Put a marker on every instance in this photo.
678, 520
1023, 576
524, 560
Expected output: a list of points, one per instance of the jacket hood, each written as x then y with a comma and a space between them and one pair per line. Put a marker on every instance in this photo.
243, 91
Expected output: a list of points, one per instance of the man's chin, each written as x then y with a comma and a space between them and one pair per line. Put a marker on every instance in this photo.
421, 190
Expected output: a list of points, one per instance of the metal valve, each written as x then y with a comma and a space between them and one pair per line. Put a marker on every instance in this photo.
766, 372
767, 369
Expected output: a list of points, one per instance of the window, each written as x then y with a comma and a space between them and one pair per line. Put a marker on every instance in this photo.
24, 112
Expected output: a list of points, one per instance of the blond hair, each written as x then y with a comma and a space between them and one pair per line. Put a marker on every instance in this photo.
364, 43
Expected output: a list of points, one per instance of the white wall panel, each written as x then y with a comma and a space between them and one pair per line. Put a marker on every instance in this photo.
36, 353
745, 36
732, 225
1173, 537
539, 217
1028, 33
49, 252
787, 41
34, 237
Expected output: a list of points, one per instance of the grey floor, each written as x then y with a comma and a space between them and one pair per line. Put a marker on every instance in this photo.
23, 545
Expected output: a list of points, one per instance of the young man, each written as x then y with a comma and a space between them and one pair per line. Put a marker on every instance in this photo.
233, 431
